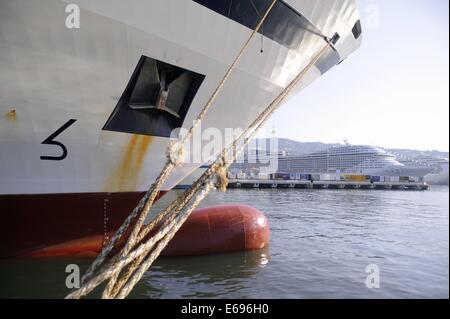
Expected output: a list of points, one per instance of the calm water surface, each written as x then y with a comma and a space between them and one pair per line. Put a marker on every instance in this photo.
321, 242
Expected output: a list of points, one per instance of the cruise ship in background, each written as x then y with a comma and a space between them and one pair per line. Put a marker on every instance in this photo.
346, 159
351, 159
439, 174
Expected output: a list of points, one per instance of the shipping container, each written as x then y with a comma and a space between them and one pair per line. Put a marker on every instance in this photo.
332, 177
404, 179
231, 175
375, 179
325, 177
356, 178
241, 175
414, 179
280, 176
305, 177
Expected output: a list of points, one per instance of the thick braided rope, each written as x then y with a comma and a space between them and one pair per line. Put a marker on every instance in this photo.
175, 208
256, 126
230, 70
110, 270
148, 200
265, 116
143, 205
163, 243
144, 249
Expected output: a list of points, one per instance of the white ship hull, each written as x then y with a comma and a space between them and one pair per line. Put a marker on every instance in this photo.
51, 74
55, 79
440, 176
398, 171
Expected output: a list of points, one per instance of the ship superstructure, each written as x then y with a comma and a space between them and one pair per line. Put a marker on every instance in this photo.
350, 159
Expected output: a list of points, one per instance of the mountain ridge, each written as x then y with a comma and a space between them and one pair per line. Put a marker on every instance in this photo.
293, 147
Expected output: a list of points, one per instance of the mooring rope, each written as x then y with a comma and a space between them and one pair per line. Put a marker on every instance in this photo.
176, 149
173, 159
219, 164
121, 288
139, 253
262, 119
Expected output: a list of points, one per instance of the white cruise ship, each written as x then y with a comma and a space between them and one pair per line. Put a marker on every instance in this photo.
350, 159
439, 174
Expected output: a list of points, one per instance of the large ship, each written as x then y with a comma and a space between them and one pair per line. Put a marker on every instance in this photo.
438, 166
90, 92
351, 159
440, 173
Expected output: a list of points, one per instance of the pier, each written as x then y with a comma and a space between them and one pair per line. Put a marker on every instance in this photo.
305, 184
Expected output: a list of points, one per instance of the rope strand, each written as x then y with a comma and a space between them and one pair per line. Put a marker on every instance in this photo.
164, 235
142, 209
128, 266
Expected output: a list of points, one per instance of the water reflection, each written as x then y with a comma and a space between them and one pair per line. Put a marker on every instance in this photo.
321, 243
194, 276
45, 278
37, 278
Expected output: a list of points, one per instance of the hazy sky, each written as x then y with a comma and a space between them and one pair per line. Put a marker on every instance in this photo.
392, 92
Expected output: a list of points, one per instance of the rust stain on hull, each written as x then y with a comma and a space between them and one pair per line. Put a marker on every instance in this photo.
11, 115
126, 176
